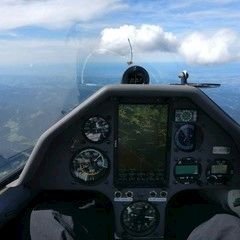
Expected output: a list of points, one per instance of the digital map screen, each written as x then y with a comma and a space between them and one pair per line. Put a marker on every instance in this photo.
142, 138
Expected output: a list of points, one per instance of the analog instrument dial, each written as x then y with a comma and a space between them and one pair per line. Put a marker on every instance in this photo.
140, 218
185, 138
89, 165
96, 129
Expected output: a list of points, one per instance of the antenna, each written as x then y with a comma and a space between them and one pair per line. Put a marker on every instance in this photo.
131, 53
184, 77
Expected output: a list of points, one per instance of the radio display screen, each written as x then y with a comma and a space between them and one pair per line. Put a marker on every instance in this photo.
141, 145
186, 170
219, 169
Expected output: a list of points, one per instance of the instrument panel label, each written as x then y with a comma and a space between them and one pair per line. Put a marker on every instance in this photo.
156, 199
123, 199
221, 150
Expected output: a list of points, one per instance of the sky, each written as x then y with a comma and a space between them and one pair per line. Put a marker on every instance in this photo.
198, 32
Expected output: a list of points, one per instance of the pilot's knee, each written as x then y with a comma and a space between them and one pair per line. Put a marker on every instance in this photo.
50, 225
219, 227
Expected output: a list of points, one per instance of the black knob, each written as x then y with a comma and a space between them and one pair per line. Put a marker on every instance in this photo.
212, 179
153, 194
117, 194
129, 194
163, 194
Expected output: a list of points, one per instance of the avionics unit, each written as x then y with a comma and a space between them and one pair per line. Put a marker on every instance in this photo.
141, 145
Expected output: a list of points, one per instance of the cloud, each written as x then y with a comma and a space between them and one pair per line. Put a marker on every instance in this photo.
146, 38
150, 43
52, 13
14, 128
35, 51
221, 47
36, 114
197, 48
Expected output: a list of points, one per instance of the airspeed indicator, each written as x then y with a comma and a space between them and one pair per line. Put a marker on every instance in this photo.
89, 165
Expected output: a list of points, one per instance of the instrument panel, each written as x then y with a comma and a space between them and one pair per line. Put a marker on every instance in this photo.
142, 144
140, 150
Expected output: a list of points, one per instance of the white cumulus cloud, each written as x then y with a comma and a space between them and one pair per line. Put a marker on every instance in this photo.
196, 48
52, 13
146, 38
221, 47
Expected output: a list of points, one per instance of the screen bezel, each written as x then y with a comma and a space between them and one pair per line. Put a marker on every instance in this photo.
164, 181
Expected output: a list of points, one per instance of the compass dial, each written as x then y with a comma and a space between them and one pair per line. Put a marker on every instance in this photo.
185, 138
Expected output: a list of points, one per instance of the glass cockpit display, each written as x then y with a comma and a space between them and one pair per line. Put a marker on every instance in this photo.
141, 151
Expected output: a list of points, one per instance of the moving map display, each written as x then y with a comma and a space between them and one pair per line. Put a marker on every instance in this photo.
141, 151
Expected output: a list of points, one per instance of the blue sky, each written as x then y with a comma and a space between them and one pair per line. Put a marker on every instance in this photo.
54, 31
